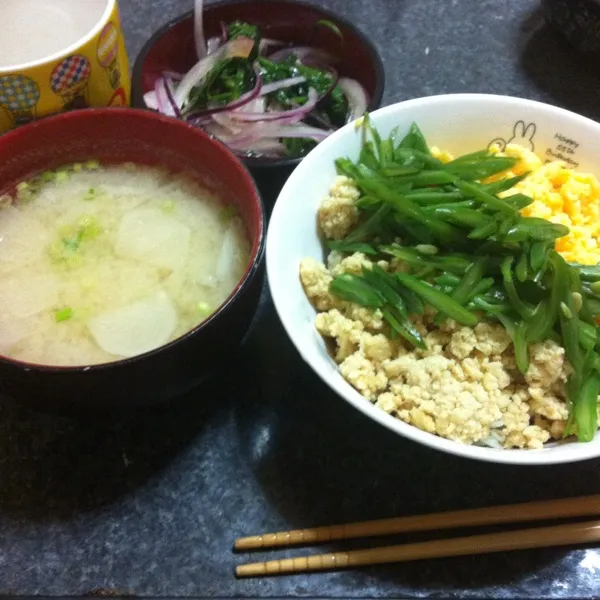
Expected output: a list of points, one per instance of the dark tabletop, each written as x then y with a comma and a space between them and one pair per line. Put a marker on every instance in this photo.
149, 504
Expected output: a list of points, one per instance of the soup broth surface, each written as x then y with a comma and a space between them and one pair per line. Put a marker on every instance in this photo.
102, 263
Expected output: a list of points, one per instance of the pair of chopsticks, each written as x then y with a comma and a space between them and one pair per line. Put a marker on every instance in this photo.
536, 537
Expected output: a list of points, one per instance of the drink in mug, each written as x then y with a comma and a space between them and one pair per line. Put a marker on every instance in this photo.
57, 55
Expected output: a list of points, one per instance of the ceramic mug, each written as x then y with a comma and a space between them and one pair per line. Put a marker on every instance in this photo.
58, 56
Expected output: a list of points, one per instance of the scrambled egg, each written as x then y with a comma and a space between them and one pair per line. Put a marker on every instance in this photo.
465, 386
560, 195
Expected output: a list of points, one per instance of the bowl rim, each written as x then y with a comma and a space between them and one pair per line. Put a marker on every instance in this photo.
253, 265
529, 457
260, 163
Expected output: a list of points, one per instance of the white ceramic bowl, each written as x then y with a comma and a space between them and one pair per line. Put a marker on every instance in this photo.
459, 123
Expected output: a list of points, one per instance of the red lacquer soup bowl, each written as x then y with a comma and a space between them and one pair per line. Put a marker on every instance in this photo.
114, 136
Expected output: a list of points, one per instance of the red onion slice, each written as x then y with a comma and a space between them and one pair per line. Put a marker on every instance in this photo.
304, 53
300, 131
299, 112
261, 131
266, 43
241, 46
356, 95
269, 88
212, 45
240, 102
150, 100
163, 89
170, 91
199, 29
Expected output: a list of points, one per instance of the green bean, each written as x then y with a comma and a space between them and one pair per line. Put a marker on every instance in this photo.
463, 289
414, 304
363, 170
367, 126
519, 201
447, 279
426, 178
397, 170
505, 226
367, 157
419, 142
494, 308
521, 347
502, 185
593, 306
482, 169
438, 300
460, 216
521, 268
538, 255
369, 227
535, 229
344, 166
386, 149
587, 335
485, 230
410, 210
433, 197
587, 272
585, 407
368, 202
539, 324
509, 323
413, 337
521, 307
354, 289
387, 285
569, 319
449, 205
469, 158
475, 191
481, 287
414, 156
351, 247
453, 263
471, 277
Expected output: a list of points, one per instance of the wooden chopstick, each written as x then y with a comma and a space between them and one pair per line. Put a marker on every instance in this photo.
511, 513
536, 537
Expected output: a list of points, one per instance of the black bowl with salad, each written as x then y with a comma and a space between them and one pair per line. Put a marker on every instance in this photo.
269, 78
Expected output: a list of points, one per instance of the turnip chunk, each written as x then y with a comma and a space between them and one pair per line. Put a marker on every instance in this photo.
135, 328
26, 295
13, 330
225, 262
22, 239
148, 234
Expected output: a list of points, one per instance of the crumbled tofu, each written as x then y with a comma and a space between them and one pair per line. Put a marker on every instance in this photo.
460, 388
315, 279
338, 213
363, 375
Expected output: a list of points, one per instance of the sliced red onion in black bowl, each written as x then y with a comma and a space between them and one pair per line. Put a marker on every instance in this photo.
282, 84
252, 117
241, 101
355, 95
304, 54
273, 115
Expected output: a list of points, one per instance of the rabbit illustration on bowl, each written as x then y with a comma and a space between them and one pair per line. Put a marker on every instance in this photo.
522, 135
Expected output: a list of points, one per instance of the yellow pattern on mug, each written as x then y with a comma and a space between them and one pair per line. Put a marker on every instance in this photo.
93, 72
19, 96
